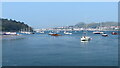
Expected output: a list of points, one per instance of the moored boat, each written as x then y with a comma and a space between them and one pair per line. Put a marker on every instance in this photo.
105, 35
50, 33
97, 32
10, 33
114, 33
67, 32
85, 38
55, 35
25, 32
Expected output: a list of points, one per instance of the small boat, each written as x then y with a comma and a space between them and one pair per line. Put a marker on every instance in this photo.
25, 32
9, 33
50, 33
67, 33
85, 38
41, 32
114, 33
105, 35
55, 35
98, 32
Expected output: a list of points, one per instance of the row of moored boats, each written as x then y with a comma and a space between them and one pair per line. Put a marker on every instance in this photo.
83, 38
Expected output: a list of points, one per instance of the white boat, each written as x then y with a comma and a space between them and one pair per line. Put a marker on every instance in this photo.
104, 35
24, 32
85, 38
51, 33
67, 32
98, 32
10, 33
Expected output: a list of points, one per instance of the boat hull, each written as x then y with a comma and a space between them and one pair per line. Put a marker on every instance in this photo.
114, 33
55, 35
98, 32
85, 39
105, 35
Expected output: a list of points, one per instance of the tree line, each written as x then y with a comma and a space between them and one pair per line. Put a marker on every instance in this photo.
13, 25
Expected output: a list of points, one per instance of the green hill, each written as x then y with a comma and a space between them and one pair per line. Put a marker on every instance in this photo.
13, 25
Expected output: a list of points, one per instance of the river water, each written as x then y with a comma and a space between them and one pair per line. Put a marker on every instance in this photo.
66, 50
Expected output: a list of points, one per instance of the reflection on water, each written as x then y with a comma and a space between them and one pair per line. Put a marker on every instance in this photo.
65, 50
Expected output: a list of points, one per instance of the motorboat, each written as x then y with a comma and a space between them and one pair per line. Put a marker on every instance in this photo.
9, 33
98, 32
67, 32
105, 35
85, 38
114, 33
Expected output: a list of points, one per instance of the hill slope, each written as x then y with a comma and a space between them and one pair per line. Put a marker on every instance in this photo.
13, 25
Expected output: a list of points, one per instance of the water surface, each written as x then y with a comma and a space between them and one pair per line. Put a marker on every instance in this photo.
66, 50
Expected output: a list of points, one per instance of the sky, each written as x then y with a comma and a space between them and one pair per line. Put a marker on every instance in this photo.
57, 14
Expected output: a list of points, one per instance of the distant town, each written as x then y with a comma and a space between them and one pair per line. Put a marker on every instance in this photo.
108, 26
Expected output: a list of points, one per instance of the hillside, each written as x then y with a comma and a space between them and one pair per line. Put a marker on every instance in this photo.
95, 25
13, 25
